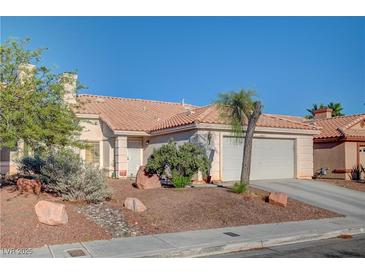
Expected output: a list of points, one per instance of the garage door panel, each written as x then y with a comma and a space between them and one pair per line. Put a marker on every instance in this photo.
271, 159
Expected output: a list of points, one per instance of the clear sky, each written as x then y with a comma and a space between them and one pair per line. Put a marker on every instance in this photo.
292, 62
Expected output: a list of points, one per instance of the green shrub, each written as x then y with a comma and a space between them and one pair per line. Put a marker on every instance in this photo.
185, 160
65, 174
30, 165
240, 187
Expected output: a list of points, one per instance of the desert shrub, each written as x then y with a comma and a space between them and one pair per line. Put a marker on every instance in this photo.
185, 160
165, 156
65, 174
30, 165
240, 187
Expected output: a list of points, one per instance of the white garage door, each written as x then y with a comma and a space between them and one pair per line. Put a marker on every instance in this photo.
271, 159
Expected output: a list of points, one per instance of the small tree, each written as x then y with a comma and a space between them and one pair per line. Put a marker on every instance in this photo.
32, 108
239, 109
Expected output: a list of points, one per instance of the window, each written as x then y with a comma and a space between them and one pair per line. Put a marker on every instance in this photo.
4, 154
92, 153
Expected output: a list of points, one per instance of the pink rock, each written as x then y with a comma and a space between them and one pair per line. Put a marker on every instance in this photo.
51, 213
278, 198
134, 204
145, 181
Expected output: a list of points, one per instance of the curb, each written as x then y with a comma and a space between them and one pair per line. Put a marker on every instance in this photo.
206, 250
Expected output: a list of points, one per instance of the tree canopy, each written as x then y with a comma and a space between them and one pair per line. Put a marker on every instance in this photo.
32, 108
236, 108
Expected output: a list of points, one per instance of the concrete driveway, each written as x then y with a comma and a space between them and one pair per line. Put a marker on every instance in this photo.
345, 201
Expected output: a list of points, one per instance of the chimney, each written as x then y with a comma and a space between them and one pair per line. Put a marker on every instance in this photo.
323, 113
69, 82
26, 72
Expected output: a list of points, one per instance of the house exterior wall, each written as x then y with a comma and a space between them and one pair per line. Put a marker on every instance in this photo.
304, 157
332, 156
351, 160
303, 149
94, 130
156, 142
120, 154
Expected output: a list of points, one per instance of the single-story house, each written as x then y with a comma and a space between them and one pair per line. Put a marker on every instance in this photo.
123, 133
339, 148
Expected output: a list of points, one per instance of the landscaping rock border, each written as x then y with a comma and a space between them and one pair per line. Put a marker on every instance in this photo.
109, 218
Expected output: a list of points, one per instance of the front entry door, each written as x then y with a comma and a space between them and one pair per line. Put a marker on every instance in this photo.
134, 151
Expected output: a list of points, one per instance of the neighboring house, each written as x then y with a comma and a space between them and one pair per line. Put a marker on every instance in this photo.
340, 146
123, 133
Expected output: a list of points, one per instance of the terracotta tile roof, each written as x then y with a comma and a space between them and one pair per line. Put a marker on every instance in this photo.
129, 114
339, 127
211, 115
292, 118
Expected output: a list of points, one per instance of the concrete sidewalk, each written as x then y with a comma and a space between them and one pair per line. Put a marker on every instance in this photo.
204, 242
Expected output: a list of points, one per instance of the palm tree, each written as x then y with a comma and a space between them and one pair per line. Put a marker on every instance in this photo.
336, 109
313, 109
238, 107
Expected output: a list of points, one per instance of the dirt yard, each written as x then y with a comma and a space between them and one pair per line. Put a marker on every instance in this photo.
19, 226
173, 210
355, 185
168, 210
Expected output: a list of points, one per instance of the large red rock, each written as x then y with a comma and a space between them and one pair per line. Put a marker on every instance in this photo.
146, 181
134, 204
51, 213
278, 198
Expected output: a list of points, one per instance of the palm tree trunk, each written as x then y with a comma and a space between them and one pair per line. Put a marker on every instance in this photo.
247, 149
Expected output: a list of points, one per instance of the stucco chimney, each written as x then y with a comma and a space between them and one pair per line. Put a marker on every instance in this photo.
25, 72
323, 113
69, 82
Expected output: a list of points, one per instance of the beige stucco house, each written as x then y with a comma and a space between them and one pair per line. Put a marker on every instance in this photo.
340, 146
123, 133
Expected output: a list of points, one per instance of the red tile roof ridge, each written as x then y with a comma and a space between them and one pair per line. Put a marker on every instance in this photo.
289, 120
205, 113
338, 117
354, 122
134, 99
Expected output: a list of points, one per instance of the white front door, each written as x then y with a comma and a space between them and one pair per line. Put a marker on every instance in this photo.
134, 156
271, 159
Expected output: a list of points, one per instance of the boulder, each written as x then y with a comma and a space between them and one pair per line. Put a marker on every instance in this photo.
278, 198
134, 204
50, 213
146, 181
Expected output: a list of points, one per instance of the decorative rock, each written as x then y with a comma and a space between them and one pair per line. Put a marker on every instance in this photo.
134, 204
278, 198
51, 213
146, 181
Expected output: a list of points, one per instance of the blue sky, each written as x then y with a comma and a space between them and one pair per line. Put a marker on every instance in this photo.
292, 62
